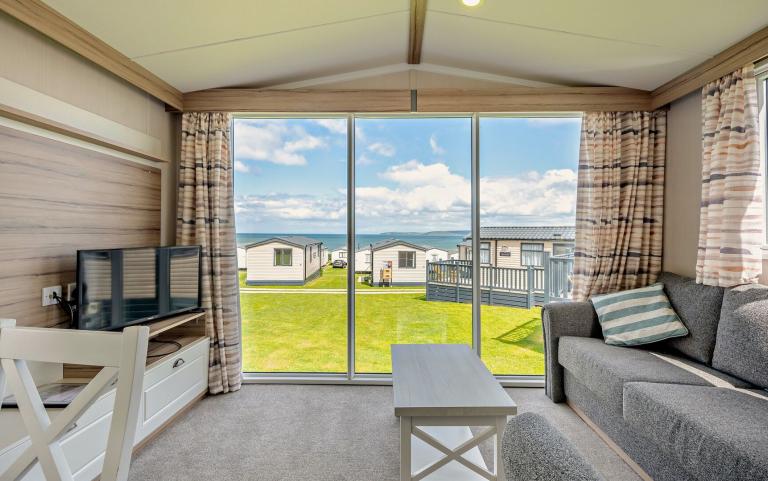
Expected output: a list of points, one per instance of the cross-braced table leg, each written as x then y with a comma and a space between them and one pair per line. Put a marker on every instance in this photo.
493, 427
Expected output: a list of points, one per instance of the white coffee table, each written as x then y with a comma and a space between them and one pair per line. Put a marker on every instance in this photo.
440, 391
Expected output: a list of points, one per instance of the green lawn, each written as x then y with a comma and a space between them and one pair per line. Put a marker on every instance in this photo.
307, 332
330, 279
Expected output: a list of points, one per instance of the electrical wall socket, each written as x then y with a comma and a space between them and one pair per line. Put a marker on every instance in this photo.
71, 286
48, 298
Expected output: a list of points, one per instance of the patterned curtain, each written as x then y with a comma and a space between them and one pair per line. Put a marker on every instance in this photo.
206, 217
619, 201
731, 223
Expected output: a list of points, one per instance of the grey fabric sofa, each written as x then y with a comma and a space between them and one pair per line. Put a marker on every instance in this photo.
690, 408
534, 450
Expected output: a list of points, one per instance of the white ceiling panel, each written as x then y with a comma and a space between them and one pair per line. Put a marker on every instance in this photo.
199, 44
548, 55
287, 56
687, 26
144, 27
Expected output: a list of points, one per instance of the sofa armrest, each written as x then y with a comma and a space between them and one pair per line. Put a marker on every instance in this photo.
560, 319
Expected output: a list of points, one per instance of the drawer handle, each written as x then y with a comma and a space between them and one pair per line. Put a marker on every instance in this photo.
178, 362
71, 428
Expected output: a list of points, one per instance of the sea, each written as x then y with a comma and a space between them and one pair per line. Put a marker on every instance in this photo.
443, 240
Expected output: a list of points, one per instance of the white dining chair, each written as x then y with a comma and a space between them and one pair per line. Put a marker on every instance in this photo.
122, 356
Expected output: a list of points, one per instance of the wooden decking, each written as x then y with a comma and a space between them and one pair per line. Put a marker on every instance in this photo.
451, 281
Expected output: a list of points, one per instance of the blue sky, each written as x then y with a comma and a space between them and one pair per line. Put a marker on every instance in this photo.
411, 174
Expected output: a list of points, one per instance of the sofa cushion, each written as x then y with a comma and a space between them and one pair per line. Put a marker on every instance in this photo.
715, 433
637, 316
699, 308
741, 348
604, 369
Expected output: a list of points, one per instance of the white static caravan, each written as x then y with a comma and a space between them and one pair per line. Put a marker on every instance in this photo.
324, 256
434, 254
241, 264
284, 260
363, 260
407, 262
340, 253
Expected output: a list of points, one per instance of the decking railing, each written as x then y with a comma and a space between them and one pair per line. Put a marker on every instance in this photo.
519, 287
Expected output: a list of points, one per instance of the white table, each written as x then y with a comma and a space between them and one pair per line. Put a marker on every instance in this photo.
440, 391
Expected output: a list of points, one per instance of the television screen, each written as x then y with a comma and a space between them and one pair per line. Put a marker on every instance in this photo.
120, 287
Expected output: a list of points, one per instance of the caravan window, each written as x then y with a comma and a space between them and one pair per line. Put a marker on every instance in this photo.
531, 254
406, 259
283, 257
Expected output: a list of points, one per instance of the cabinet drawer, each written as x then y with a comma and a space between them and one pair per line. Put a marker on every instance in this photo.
161, 371
175, 389
186, 377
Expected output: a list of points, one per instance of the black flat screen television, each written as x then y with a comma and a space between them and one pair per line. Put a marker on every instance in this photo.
120, 287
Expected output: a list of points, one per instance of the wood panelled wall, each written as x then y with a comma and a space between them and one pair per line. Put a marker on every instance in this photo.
56, 198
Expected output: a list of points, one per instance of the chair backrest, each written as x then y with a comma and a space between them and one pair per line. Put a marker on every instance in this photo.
122, 356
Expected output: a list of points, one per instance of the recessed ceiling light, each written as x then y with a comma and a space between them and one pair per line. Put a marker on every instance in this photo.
472, 3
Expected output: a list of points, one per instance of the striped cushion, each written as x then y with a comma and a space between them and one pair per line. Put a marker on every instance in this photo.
637, 316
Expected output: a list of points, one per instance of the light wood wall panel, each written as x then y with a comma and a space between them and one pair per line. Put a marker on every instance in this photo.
532, 99
254, 100
57, 198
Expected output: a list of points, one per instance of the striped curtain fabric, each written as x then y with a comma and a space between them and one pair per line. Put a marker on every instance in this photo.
206, 217
731, 223
619, 202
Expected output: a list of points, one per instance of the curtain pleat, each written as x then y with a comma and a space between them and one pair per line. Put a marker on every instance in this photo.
206, 217
619, 201
731, 222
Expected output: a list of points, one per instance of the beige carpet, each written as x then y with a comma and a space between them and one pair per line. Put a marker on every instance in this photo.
318, 433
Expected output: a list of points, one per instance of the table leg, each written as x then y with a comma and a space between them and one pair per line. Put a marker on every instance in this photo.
501, 424
405, 448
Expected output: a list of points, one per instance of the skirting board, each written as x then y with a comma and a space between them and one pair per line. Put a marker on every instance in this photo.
611, 444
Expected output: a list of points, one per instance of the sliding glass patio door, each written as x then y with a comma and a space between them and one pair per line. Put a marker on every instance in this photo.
527, 193
412, 210
290, 206
448, 229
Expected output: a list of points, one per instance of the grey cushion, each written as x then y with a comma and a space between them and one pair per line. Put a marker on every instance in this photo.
534, 450
742, 336
604, 369
715, 433
699, 308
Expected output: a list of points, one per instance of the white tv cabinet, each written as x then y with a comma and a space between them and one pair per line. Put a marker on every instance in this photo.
172, 383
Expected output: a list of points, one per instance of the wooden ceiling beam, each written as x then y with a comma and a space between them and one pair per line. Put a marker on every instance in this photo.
519, 99
297, 101
532, 99
751, 49
39, 16
416, 30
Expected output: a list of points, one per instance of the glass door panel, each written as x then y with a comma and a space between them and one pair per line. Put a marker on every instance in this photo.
290, 209
412, 213
528, 170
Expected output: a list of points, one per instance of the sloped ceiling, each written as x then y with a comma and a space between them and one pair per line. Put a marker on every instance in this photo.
195, 44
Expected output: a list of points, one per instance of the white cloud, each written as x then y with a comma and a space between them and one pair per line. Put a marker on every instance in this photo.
273, 141
534, 195
336, 126
291, 208
431, 196
381, 148
420, 197
363, 159
436, 149
241, 167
